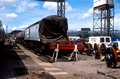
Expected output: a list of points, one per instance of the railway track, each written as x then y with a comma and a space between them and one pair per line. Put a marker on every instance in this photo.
44, 63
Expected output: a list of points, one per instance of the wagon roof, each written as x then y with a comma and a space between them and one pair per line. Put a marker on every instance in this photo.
33, 24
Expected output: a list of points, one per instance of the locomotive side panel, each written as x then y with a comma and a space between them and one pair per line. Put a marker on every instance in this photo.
32, 33
20, 35
27, 34
51, 29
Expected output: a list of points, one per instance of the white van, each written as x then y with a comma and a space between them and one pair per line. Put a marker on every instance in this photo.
99, 40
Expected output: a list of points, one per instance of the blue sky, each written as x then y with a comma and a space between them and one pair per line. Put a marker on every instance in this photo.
19, 14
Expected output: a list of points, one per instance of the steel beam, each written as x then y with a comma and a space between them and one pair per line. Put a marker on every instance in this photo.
103, 18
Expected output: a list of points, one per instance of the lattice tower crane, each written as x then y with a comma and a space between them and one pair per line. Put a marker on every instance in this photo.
60, 6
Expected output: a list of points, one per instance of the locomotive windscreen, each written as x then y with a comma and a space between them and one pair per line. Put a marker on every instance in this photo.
53, 29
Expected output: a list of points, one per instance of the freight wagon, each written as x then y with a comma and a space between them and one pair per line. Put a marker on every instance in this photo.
49, 35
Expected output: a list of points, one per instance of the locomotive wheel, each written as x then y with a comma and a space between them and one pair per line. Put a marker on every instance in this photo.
81, 51
97, 51
111, 58
116, 47
103, 49
91, 46
89, 49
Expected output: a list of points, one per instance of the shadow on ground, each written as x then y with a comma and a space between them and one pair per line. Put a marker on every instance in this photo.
11, 65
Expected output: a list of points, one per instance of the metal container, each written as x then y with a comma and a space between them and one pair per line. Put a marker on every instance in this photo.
32, 32
98, 3
20, 35
51, 29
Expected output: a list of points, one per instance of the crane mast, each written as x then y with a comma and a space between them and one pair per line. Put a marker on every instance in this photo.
60, 6
103, 17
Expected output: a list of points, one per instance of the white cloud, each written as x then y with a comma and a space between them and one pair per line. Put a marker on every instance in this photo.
75, 16
81, 24
24, 5
2, 8
53, 6
33, 4
13, 28
4, 26
76, 21
88, 13
9, 29
117, 21
68, 7
23, 27
6, 2
50, 6
11, 16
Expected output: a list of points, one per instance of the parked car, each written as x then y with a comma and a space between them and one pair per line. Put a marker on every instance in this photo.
77, 41
115, 43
